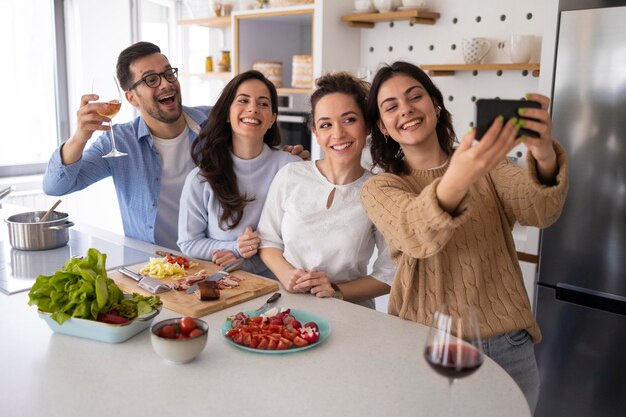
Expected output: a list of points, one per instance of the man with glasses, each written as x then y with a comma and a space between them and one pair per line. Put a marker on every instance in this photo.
148, 181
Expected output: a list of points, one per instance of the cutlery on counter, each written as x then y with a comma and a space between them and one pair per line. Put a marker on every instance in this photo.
228, 268
153, 286
269, 301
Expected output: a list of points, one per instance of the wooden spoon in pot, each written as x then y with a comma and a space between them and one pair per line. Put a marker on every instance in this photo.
49, 212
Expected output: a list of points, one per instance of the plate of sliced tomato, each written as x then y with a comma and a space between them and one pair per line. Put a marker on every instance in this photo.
264, 336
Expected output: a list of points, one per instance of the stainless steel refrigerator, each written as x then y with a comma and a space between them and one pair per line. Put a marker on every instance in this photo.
581, 290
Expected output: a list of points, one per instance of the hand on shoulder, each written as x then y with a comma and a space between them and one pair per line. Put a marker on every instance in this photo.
298, 150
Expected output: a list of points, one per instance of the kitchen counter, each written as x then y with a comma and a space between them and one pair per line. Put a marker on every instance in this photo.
371, 365
20, 268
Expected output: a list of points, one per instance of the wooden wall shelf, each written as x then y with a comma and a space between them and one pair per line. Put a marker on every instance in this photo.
368, 20
273, 13
213, 22
210, 75
442, 70
292, 90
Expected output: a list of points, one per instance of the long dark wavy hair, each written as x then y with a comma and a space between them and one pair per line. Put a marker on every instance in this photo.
211, 150
387, 154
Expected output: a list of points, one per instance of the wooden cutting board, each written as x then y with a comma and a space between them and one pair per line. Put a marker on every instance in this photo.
251, 286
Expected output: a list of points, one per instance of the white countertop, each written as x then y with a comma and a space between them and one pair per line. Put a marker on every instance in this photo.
371, 365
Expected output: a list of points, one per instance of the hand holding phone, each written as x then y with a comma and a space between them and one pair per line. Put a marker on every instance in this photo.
488, 109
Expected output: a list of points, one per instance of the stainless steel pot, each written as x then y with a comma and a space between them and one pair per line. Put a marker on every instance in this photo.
27, 233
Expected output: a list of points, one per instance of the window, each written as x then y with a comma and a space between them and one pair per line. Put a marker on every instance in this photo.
158, 23
29, 128
47, 81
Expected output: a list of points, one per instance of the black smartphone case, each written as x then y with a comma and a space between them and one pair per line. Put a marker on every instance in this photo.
488, 109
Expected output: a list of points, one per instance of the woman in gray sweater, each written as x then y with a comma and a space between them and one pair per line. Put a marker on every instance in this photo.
236, 158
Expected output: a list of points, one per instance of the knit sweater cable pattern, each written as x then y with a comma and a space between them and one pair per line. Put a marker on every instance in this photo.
468, 257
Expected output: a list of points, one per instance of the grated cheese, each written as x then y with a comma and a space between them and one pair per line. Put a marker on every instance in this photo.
160, 268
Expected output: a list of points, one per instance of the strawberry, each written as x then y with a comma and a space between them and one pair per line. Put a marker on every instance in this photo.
312, 325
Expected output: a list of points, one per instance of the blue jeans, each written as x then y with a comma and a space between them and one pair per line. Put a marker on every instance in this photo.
515, 353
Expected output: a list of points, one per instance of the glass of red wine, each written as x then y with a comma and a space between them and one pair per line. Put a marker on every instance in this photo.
453, 347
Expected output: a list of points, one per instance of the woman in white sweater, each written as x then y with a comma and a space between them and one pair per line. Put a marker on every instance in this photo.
236, 160
315, 236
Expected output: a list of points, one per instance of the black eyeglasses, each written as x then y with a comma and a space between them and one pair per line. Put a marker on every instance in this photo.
154, 80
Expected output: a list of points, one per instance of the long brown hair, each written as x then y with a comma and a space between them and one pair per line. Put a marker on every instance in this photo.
211, 150
387, 154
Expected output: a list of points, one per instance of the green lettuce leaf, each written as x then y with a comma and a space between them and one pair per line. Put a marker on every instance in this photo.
80, 288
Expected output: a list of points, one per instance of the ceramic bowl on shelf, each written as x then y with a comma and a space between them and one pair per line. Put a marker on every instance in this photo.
178, 350
385, 6
363, 5
413, 4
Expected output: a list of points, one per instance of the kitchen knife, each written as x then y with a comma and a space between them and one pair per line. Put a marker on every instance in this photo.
153, 286
231, 266
269, 301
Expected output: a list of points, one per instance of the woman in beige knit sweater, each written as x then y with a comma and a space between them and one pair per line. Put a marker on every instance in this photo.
447, 215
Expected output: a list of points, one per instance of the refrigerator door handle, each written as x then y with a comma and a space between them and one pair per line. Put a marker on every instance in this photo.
590, 298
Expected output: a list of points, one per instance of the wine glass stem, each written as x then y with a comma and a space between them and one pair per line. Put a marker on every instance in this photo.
450, 403
112, 137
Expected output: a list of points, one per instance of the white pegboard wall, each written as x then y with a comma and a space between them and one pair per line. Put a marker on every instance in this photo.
441, 44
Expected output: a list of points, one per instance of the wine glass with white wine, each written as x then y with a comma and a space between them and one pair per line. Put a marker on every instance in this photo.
110, 102
453, 347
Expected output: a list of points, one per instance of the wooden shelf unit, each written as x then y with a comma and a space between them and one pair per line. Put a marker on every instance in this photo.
210, 75
293, 90
212, 22
451, 69
368, 20
278, 12
292, 18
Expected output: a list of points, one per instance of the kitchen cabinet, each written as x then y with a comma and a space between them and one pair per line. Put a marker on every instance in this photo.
274, 34
368, 20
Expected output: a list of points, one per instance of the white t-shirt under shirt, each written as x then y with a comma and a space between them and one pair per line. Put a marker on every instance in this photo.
338, 240
177, 163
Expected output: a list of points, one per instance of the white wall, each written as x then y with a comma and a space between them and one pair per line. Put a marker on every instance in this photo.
445, 37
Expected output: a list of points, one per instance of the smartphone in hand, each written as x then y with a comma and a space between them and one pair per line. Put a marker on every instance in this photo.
488, 109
